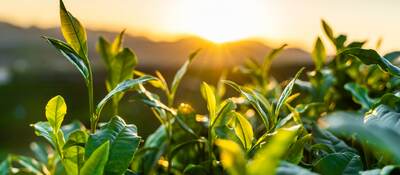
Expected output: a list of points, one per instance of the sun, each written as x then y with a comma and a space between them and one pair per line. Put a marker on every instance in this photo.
223, 20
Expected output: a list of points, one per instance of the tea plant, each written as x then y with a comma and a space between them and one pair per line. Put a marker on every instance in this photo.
341, 118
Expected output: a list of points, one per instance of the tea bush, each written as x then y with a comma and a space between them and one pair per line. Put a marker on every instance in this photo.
341, 118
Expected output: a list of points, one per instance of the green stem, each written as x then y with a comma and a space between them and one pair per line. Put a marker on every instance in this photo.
93, 118
210, 149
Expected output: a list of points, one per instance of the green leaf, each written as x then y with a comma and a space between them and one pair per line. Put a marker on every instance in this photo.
103, 47
72, 57
96, 163
383, 116
195, 170
392, 56
45, 130
121, 68
180, 73
232, 157
328, 31
227, 133
369, 56
156, 143
268, 60
73, 31
319, 54
380, 137
5, 167
226, 107
322, 136
55, 112
123, 140
121, 87
28, 164
286, 93
116, 46
262, 106
360, 95
387, 170
209, 96
286, 168
243, 130
346, 163
295, 152
40, 152
74, 152
266, 160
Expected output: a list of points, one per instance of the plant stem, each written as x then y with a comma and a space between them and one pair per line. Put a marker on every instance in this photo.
93, 118
210, 144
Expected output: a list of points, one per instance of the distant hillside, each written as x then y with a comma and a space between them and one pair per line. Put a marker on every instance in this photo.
22, 49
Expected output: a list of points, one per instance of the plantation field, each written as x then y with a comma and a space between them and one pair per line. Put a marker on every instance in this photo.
337, 116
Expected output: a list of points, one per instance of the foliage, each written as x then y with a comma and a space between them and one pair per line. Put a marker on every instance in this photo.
340, 118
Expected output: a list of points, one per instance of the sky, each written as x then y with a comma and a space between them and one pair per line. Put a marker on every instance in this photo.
295, 22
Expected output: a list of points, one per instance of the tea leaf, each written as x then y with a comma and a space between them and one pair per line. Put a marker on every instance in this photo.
123, 140
73, 31
266, 160
344, 163
209, 96
319, 54
121, 87
180, 73
72, 56
286, 93
55, 112
360, 95
232, 157
369, 56
74, 152
243, 130
96, 163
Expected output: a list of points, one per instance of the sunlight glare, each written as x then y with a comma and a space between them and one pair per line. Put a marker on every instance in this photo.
223, 20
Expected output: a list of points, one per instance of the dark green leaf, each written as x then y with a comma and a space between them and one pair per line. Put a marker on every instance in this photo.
369, 56
387, 170
360, 95
325, 137
121, 87
72, 56
392, 56
286, 168
328, 31
123, 140
346, 163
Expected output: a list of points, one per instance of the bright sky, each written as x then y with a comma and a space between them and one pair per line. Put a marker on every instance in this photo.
296, 22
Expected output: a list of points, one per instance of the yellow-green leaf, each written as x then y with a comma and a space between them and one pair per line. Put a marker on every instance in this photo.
209, 96
95, 164
73, 31
319, 54
267, 159
232, 157
55, 112
244, 130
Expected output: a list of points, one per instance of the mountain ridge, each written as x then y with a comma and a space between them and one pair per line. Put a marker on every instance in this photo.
23, 48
